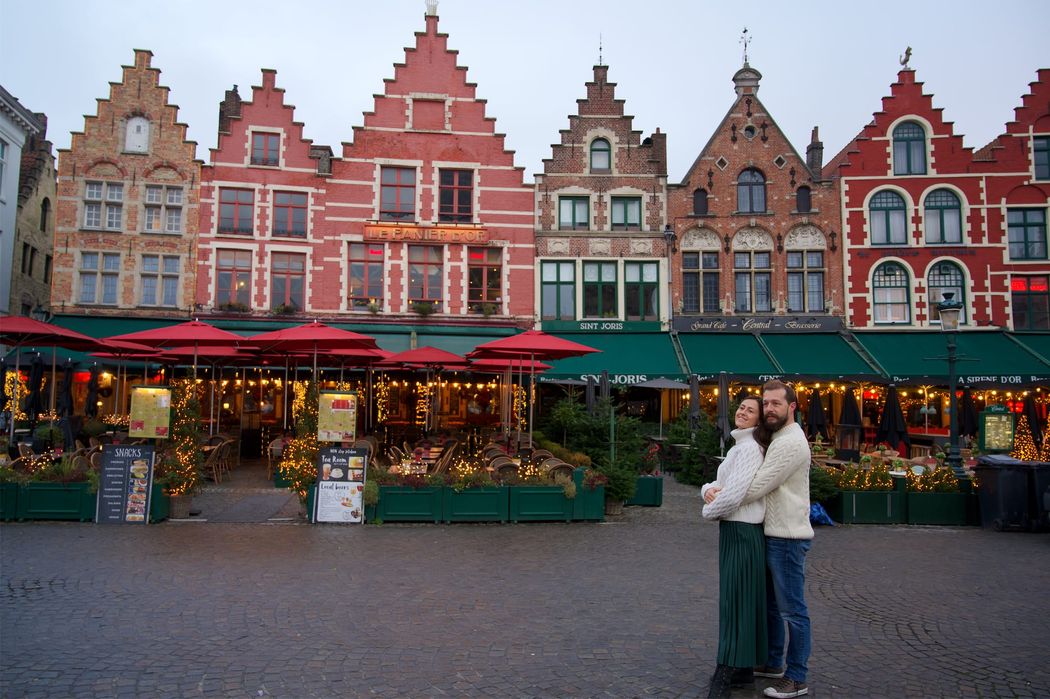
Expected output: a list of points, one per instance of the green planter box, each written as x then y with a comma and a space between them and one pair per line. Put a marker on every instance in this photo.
957, 509
399, 504
310, 495
649, 491
540, 503
159, 504
868, 507
9, 500
280, 481
589, 504
66, 501
491, 504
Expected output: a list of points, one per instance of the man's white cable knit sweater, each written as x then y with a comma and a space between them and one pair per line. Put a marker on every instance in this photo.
734, 477
783, 481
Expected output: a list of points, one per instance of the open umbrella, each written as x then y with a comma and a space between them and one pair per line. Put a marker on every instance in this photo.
191, 333
893, 430
816, 419
311, 337
1034, 421
662, 385
968, 421
722, 421
91, 402
498, 366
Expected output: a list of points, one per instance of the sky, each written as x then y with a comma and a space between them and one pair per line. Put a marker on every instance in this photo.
825, 64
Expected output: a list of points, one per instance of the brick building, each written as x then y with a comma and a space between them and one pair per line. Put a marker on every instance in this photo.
126, 217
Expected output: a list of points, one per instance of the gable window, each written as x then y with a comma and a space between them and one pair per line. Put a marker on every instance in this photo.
163, 209
233, 275
426, 274
626, 213
484, 280
751, 192
888, 219
1026, 229
99, 273
700, 282
601, 156
366, 275
558, 291
287, 280
397, 196
105, 213
945, 277
1030, 302
891, 299
943, 217
456, 196
236, 211
752, 278
700, 202
266, 148
27, 259
574, 213
289, 214
641, 300
805, 280
599, 290
160, 280
45, 214
803, 200
136, 135
1041, 157
909, 149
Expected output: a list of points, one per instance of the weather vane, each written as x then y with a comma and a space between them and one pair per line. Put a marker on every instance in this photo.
599, 49
906, 57
746, 41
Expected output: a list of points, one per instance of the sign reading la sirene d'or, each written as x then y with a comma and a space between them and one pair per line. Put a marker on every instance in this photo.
768, 324
411, 233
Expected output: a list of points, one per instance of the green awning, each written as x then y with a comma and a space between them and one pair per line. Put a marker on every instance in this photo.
817, 356
1037, 343
629, 358
740, 355
985, 358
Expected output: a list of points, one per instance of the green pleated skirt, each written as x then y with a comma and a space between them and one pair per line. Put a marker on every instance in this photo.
742, 636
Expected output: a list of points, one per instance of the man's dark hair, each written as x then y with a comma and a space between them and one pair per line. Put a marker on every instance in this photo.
774, 384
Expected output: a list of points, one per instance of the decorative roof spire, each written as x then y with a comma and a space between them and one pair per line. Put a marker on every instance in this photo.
599, 49
432, 8
746, 41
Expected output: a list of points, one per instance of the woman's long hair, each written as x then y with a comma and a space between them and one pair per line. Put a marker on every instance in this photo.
762, 434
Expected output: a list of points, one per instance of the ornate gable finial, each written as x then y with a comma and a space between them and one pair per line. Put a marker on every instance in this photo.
905, 58
746, 41
432, 7
599, 49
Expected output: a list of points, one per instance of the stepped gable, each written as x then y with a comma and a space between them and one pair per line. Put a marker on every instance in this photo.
1010, 149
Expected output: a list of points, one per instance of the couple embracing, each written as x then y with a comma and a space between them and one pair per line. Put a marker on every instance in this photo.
761, 500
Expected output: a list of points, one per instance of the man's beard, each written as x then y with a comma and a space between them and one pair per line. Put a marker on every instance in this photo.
775, 423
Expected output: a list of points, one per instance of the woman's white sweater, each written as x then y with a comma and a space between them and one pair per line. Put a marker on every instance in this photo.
734, 477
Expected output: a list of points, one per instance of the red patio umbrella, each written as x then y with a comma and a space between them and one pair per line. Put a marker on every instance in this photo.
497, 365
120, 350
429, 358
191, 333
313, 337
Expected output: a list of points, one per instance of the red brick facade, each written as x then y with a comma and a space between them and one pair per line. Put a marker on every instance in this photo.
126, 218
924, 214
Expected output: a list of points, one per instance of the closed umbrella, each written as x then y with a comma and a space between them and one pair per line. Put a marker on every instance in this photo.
722, 422
694, 402
968, 421
589, 394
816, 419
893, 430
64, 405
34, 401
91, 402
604, 388
3, 385
1034, 421
850, 415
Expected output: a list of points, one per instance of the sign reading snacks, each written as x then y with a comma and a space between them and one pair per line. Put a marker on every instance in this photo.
125, 483
337, 416
150, 412
409, 233
340, 484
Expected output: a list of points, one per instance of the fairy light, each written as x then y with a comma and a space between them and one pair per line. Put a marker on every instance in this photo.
185, 438
299, 457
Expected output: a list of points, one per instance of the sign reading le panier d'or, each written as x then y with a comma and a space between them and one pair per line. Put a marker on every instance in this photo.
340, 484
150, 412
411, 233
124, 484
337, 416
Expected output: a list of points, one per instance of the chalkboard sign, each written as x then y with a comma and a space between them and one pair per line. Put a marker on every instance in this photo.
340, 484
997, 429
125, 482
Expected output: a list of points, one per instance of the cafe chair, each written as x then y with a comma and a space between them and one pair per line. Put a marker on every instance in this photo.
212, 464
540, 455
273, 456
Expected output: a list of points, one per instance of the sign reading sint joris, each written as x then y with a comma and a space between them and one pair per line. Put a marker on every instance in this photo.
411, 233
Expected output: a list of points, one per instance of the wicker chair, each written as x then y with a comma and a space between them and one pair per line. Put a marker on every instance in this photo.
554, 467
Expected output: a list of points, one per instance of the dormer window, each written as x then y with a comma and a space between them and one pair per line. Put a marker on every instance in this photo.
136, 138
909, 149
601, 155
266, 149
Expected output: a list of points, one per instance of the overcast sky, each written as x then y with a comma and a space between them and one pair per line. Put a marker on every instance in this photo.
825, 64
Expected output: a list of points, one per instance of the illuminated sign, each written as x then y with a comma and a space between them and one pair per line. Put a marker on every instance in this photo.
411, 233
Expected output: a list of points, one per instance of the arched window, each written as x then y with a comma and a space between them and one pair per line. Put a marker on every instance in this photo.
137, 137
943, 217
909, 149
700, 202
945, 277
891, 299
45, 214
751, 192
803, 199
601, 155
888, 219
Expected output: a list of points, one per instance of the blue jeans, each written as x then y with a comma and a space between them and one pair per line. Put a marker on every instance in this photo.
786, 603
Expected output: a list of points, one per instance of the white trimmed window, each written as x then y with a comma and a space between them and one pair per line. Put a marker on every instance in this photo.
104, 205
163, 209
160, 280
99, 276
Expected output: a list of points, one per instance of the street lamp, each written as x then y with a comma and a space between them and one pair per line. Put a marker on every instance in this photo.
670, 239
949, 311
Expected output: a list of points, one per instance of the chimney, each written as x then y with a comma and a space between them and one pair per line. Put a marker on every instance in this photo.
229, 108
815, 155
658, 154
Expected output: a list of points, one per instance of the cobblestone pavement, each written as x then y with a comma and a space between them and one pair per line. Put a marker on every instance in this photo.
625, 608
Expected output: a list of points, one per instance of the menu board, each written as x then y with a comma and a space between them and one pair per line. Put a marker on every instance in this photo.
150, 412
997, 429
340, 484
337, 416
125, 483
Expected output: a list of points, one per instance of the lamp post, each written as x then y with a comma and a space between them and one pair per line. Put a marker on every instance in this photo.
670, 238
949, 311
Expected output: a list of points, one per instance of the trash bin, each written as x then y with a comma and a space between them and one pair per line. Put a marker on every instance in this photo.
1039, 488
1003, 492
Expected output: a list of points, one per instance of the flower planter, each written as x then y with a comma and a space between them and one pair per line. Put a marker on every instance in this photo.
490, 504
589, 503
868, 507
956, 509
649, 491
9, 500
613, 508
400, 504
65, 501
159, 504
540, 503
279, 481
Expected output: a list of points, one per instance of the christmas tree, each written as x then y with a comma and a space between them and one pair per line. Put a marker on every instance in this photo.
1024, 445
1044, 453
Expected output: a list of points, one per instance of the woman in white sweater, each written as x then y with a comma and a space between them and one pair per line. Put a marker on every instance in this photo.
741, 554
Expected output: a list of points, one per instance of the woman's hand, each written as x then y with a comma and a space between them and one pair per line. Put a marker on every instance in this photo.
709, 495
